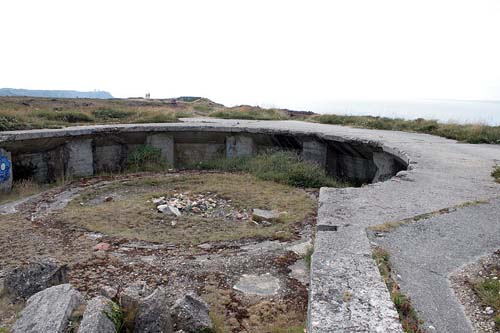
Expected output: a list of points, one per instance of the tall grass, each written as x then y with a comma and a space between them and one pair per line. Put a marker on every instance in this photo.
496, 173
146, 158
403, 304
280, 166
250, 113
471, 133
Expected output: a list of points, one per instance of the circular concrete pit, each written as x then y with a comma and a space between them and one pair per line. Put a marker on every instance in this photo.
439, 174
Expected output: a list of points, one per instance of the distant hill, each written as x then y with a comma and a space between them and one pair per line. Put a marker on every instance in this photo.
55, 93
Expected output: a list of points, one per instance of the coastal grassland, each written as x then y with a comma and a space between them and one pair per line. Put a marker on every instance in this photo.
134, 216
284, 167
471, 133
17, 113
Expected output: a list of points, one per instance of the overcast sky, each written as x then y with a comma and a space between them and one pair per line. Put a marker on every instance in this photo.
282, 53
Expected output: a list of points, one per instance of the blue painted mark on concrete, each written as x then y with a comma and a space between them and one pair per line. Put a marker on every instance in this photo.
5, 167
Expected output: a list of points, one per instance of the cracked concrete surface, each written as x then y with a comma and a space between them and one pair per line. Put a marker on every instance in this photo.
346, 291
426, 252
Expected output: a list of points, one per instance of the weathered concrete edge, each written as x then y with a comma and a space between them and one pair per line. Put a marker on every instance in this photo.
11, 136
347, 293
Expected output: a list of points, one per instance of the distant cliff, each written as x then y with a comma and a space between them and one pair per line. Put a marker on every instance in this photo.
55, 93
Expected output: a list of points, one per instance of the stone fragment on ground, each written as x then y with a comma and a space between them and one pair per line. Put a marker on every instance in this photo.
97, 316
301, 248
153, 315
109, 292
261, 215
191, 314
49, 310
299, 272
103, 246
169, 210
27, 280
262, 285
130, 297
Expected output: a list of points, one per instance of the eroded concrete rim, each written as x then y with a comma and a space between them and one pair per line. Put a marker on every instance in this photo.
205, 126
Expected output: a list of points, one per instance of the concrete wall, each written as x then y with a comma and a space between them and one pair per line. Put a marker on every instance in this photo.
315, 151
52, 158
239, 145
164, 142
80, 162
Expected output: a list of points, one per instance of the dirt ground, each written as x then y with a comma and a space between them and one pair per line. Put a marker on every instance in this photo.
481, 306
207, 250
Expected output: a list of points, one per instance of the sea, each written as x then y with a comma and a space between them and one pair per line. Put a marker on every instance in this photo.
456, 111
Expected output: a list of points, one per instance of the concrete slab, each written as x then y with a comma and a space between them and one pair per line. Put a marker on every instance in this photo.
426, 252
261, 285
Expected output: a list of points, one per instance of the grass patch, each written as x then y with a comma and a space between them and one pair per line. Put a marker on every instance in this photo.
308, 257
66, 116
250, 113
132, 216
24, 188
146, 158
471, 133
115, 314
407, 315
282, 167
496, 174
158, 117
488, 291
111, 114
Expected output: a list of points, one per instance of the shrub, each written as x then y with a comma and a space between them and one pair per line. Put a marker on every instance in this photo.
66, 116
146, 158
158, 117
283, 167
496, 174
250, 113
111, 114
203, 108
8, 123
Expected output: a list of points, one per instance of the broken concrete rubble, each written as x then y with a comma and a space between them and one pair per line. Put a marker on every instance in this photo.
97, 316
49, 310
25, 281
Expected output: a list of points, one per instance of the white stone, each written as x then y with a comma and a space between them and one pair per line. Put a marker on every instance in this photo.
169, 210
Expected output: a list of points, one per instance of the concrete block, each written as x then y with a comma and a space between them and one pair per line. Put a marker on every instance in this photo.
80, 158
239, 145
109, 158
5, 171
165, 142
314, 151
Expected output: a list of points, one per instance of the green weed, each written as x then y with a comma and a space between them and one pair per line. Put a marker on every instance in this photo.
280, 166
407, 315
146, 158
496, 174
